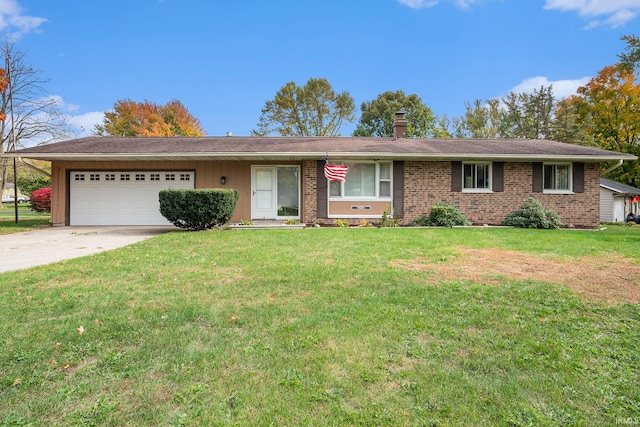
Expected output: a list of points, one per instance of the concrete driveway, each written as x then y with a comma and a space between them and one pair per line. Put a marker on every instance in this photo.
53, 244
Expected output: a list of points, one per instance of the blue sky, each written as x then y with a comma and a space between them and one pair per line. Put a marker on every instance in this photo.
224, 59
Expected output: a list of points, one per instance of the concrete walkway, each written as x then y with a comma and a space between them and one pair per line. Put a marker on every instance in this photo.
53, 244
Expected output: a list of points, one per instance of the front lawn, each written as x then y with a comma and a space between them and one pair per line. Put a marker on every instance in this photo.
27, 219
329, 327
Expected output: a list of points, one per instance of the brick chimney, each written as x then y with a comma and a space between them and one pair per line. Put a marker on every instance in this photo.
400, 126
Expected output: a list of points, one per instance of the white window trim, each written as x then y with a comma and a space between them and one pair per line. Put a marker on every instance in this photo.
376, 197
554, 191
478, 190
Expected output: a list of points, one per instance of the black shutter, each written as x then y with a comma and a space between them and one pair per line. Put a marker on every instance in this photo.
578, 177
456, 176
321, 192
498, 176
398, 189
538, 172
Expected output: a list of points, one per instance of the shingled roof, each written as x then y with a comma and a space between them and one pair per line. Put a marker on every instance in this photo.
298, 148
619, 187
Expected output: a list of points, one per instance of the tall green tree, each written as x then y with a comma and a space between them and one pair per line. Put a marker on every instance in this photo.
480, 120
571, 126
378, 116
630, 61
442, 127
313, 109
528, 115
130, 118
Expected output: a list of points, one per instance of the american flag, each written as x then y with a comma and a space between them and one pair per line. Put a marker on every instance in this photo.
335, 172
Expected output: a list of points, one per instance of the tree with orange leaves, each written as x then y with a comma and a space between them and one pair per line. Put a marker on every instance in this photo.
130, 118
609, 104
4, 85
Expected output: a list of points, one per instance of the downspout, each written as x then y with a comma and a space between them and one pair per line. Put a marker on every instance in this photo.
616, 166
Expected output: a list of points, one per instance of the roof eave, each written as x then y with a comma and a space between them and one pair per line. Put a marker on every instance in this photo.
319, 156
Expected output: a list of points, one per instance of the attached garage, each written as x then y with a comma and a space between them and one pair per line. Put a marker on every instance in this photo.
121, 197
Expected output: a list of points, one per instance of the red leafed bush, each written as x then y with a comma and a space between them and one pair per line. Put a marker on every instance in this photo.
41, 200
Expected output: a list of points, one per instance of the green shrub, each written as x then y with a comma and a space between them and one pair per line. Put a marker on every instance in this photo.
442, 214
198, 209
386, 220
533, 215
341, 223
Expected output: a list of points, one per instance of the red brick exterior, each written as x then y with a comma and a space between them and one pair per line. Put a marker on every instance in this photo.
426, 183
309, 192
429, 182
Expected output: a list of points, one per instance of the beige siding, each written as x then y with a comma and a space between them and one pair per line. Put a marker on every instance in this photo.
207, 175
358, 209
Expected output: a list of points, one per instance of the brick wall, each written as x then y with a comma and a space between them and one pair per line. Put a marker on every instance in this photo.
429, 182
309, 191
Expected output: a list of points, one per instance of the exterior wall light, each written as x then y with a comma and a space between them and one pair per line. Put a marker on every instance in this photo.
223, 180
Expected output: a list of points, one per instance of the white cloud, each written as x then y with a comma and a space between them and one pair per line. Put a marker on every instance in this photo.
612, 13
561, 88
12, 20
77, 125
419, 4
465, 4
85, 123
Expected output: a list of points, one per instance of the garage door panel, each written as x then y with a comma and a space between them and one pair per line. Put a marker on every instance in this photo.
122, 198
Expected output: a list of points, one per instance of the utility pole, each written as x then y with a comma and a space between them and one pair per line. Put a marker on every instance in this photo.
13, 137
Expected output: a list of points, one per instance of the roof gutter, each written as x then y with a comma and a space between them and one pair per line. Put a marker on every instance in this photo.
322, 155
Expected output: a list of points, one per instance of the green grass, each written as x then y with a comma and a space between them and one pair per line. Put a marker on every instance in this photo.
25, 222
27, 219
315, 327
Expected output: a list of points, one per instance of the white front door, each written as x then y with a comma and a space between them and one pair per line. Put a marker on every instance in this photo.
263, 199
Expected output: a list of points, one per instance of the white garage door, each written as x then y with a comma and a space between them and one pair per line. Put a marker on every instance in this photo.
121, 198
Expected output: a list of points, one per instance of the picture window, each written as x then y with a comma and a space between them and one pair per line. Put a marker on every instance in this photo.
365, 180
476, 176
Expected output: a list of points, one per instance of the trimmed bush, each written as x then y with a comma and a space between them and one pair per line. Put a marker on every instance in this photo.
40, 200
442, 214
533, 215
198, 209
